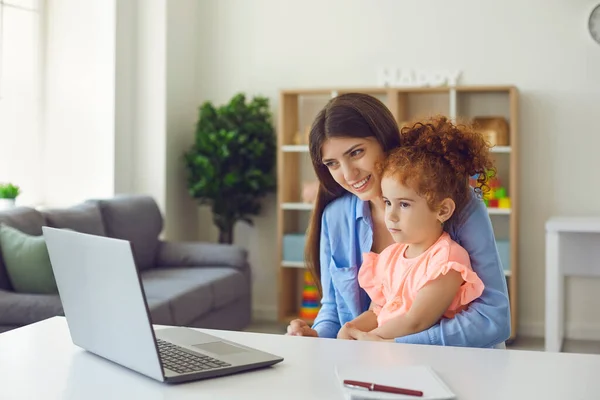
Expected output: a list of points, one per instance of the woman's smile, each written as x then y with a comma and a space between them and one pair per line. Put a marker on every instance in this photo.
361, 185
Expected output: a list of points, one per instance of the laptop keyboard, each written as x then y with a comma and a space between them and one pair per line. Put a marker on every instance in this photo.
176, 359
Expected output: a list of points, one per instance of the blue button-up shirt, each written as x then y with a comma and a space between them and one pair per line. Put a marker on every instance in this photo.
347, 233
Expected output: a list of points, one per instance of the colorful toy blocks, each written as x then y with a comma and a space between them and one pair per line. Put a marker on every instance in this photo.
310, 298
496, 196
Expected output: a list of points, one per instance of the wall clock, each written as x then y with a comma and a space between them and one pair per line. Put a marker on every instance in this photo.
594, 23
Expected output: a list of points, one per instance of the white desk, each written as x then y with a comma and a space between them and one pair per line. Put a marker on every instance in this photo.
40, 362
572, 249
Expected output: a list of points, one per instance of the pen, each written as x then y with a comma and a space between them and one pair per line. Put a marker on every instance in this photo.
373, 387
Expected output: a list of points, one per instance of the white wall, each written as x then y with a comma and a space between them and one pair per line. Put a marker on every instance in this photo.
126, 64
155, 106
181, 114
79, 99
541, 47
149, 134
20, 93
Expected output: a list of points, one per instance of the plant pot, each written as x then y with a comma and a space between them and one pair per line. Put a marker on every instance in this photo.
6, 204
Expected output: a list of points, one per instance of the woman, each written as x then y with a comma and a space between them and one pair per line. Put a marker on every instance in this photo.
349, 136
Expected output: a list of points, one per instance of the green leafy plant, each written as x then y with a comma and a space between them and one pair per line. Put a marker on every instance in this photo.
9, 191
231, 164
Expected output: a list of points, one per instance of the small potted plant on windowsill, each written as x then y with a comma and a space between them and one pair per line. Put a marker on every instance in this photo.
8, 195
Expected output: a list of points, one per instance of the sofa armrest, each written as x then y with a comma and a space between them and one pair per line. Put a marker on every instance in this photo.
200, 254
23, 309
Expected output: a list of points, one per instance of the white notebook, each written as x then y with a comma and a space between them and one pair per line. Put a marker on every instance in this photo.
418, 377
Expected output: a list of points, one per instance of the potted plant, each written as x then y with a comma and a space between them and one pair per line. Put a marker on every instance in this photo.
231, 164
8, 194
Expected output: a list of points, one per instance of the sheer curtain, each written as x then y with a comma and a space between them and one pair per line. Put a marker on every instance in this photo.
20, 97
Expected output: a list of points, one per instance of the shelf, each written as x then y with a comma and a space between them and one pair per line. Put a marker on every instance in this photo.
292, 264
297, 206
303, 148
499, 211
309, 207
399, 89
297, 109
295, 148
298, 264
490, 88
500, 149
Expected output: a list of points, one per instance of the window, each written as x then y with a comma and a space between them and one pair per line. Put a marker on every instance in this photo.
21, 159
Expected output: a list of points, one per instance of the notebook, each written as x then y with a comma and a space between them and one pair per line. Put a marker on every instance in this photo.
417, 377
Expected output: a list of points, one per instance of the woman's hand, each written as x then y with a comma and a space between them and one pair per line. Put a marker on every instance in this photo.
300, 328
344, 334
357, 334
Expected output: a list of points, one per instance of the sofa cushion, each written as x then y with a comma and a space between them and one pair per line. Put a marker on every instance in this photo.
27, 261
23, 309
228, 284
198, 254
160, 311
26, 220
85, 218
192, 292
6, 328
136, 219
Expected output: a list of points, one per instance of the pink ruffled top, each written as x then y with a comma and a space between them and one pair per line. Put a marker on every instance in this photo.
393, 281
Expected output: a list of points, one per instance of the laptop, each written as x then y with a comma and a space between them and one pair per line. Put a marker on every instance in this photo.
107, 314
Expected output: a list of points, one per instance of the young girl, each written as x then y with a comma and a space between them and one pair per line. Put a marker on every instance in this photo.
425, 275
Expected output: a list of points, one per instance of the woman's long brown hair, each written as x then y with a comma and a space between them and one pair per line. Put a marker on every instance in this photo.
348, 115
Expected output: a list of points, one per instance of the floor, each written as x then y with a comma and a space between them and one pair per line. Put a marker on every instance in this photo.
521, 343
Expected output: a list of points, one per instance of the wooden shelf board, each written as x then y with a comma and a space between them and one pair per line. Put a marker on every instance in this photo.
501, 149
295, 148
292, 264
498, 211
303, 148
309, 207
297, 206
484, 88
329, 91
399, 89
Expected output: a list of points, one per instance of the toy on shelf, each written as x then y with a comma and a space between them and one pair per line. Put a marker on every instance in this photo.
496, 196
310, 298
310, 191
301, 138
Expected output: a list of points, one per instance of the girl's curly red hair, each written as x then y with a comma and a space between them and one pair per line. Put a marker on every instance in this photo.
437, 158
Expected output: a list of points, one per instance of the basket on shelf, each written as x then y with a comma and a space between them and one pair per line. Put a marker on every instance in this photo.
493, 129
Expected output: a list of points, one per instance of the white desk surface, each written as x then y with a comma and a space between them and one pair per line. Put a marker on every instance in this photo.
573, 224
40, 362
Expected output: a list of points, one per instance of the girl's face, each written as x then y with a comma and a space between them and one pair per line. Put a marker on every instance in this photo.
407, 215
351, 162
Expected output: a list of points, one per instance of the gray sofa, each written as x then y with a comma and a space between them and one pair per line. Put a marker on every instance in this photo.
186, 284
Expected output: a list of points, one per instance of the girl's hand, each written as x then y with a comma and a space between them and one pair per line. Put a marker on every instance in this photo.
300, 328
357, 334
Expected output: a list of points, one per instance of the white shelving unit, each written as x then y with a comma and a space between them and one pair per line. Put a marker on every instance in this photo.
297, 111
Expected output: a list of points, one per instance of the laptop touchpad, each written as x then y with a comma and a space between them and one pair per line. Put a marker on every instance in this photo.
219, 348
